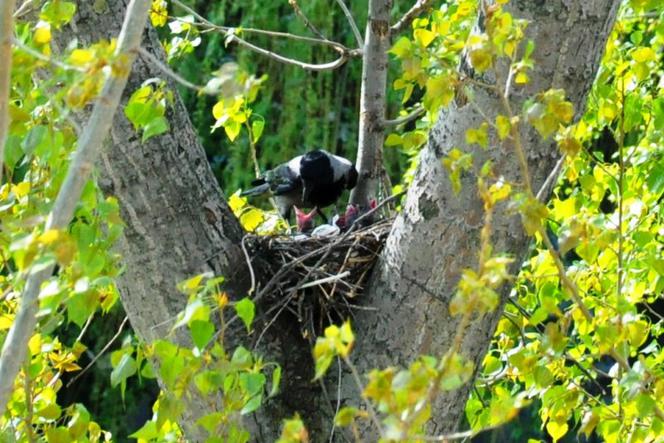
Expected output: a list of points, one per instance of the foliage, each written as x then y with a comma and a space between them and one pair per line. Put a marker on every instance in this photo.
581, 339
584, 338
572, 327
237, 381
302, 110
41, 138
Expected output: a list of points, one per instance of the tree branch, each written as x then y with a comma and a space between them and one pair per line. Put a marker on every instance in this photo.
351, 22
419, 110
24, 8
39, 56
409, 16
314, 30
343, 58
6, 32
372, 102
89, 144
174, 75
231, 35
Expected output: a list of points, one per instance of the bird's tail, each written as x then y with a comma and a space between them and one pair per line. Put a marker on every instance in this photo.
262, 188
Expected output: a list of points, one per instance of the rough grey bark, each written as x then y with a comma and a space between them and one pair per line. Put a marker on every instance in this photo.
177, 226
372, 101
437, 235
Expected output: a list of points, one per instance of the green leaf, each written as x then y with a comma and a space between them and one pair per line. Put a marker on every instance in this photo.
34, 138
78, 425
232, 129
345, 416
196, 310
246, 310
211, 421
252, 382
57, 12
393, 140
645, 405
257, 127
124, 369
201, 332
156, 126
276, 380
58, 435
242, 357
147, 432
253, 404
402, 48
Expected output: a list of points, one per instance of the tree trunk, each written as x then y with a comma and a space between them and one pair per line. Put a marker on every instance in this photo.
372, 101
177, 226
437, 235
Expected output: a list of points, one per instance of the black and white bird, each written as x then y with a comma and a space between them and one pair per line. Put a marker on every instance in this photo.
312, 180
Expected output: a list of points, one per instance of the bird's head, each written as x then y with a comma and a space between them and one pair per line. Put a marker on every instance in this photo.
305, 222
351, 214
351, 178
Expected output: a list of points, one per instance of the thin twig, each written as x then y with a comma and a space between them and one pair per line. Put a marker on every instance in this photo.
249, 265
550, 181
351, 22
101, 353
306, 21
334, 424
412, 115
38, 55
343, 58
653, 312
172, 74
231, 35
410, 15
321, 281
212, 26
23, 9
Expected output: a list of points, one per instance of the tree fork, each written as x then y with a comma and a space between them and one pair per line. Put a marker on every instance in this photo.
436, 235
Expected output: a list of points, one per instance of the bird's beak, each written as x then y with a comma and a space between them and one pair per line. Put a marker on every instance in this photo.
306, 192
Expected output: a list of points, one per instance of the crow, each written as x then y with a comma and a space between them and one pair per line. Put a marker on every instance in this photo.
315, 179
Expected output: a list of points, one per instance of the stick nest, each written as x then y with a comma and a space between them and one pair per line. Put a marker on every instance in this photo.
316, 279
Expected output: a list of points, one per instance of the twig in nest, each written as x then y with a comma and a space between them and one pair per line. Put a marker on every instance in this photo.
251, 268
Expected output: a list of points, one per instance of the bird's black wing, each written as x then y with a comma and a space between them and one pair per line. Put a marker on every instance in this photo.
283, 180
